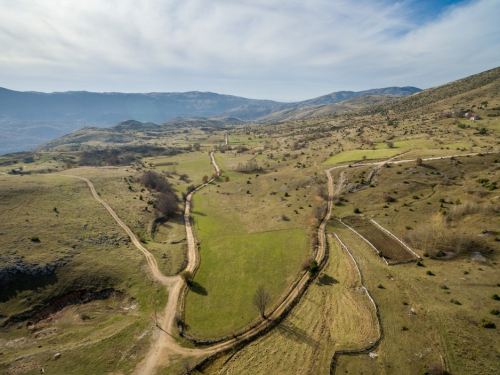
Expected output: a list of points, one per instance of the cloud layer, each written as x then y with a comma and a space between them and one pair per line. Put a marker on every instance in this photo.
277, 49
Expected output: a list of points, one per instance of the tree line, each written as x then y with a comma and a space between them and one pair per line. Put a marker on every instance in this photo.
167, 202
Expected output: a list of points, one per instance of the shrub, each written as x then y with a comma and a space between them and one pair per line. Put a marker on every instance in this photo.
305, 264
456, 302
178, 321
380, 286
388, 198
494, 312
187, 276
313, 267
429, 273
485, 323
495, 297
35, 239
434, 368
435, 240
357, 211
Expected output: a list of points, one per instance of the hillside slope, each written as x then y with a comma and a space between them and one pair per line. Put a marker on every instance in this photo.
28, 119
449, 94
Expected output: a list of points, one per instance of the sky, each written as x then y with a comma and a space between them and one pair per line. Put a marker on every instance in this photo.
285, 50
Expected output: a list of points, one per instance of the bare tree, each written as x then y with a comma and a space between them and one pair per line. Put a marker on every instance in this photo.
204, 179
167, 203
261, 300
320, 211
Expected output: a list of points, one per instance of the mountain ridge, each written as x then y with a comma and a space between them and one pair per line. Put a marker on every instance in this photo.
30, 118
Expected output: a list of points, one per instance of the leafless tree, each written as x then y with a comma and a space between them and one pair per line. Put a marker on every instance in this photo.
167, 203
261, 300
320, 211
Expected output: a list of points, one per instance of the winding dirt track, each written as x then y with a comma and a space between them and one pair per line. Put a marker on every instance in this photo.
166, 344
166, 280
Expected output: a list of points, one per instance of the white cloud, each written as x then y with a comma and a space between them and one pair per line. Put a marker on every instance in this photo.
270, 49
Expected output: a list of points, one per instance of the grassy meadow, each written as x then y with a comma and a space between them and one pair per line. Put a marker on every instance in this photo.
257, 228
53, 219
239, 252
332, 315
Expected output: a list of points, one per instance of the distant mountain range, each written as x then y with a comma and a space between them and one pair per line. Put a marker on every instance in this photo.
28, 119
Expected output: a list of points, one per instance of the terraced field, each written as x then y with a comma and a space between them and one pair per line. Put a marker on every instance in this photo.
392, 250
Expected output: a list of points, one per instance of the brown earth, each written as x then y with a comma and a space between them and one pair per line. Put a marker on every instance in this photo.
391, 249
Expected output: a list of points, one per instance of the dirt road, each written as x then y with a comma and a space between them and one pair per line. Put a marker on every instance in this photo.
165, 344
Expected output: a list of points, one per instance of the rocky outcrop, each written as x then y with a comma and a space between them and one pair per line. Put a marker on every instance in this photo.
17, 275
11, 272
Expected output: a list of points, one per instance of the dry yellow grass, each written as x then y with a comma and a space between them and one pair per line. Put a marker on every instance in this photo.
332, 315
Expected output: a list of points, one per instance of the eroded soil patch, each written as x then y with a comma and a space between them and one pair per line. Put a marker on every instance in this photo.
76, 297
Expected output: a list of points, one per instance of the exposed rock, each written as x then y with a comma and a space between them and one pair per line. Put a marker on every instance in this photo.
478, 257
18, 268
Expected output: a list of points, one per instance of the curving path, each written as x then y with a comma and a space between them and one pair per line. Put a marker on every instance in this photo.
166, 280
166, 344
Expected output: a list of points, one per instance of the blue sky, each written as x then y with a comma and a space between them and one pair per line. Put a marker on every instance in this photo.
274, 49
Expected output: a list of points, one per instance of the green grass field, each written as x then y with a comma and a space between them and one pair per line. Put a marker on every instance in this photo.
357, 155
332, 315
194, 164
234, 263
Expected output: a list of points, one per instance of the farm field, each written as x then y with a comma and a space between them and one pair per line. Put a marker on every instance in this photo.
388, 248
257, 225
332, 315
356, 155
194, 164
234, 258
438, 327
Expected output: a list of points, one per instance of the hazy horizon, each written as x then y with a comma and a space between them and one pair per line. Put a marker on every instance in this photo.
277, 50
